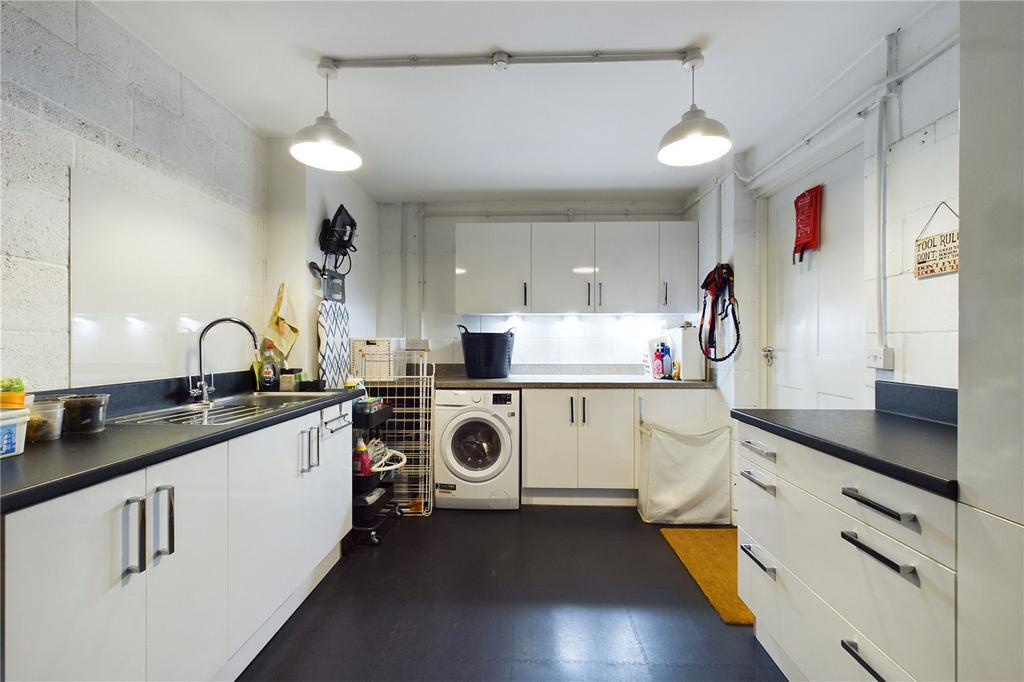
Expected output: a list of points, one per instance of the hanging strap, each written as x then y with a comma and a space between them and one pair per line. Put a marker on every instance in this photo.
719, 288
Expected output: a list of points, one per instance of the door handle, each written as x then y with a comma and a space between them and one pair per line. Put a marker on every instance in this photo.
572, 409
140, 565
902, 569
600, 294
317, 439
524, 294
666, 293
588, 294
641, 405
902, 517
760, 564
767, 487
851, 648
304, 468
584, 409
758, 448
768, 353
169, 489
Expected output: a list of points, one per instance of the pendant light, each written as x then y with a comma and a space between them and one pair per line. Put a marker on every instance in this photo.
696, 139
324, 145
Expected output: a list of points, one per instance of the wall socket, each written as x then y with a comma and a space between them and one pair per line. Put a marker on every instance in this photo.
881, 358
418, 345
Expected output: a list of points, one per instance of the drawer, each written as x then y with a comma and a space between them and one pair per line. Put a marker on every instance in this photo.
756, 571
756, 444
756, 508
920, 519
900, 599
821, 643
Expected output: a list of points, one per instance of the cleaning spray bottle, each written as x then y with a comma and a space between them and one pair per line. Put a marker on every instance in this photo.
361, 463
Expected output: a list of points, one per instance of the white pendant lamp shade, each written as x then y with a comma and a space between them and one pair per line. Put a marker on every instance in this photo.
696, 139
325, 146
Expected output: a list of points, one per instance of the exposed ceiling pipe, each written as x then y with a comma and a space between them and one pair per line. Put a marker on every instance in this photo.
568, 213
502, 60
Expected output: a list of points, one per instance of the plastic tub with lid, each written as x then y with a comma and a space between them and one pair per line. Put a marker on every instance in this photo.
13, 425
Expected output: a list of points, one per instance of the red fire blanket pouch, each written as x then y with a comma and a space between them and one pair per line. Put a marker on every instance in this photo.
808, 221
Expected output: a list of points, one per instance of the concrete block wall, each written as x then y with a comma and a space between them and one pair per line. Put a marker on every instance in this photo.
78, 90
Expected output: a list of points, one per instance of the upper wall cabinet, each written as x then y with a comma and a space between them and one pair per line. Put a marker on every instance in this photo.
677, 265
563, 268
492, 268
567, 268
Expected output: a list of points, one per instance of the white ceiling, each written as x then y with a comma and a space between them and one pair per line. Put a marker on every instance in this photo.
539, 131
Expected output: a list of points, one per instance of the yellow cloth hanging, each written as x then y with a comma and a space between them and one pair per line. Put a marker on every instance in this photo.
282, 327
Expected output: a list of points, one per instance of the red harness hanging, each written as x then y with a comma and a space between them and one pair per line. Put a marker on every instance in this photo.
720, 287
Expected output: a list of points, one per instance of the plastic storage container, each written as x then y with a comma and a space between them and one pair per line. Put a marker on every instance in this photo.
13, 425
488, 355
85, 413
45, 418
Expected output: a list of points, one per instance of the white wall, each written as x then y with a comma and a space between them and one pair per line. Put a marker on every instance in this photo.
409, 247
298, 199
80, 92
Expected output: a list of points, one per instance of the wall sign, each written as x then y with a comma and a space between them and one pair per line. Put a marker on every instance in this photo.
938, 254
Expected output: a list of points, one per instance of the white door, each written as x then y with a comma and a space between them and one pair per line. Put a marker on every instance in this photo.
563, 268
606, 438
268, 555
549, 438
816, 308
626, 257
187, 579
72, 611
677, 267
331, 504
492, 268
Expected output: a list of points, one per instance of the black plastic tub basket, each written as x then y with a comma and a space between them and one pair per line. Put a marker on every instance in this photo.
488, 355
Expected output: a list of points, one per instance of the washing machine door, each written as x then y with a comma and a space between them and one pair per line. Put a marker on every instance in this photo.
476, 446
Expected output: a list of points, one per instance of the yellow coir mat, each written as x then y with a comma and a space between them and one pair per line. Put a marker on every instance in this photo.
709, 554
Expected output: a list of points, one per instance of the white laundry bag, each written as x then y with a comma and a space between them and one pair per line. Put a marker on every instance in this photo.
684, 477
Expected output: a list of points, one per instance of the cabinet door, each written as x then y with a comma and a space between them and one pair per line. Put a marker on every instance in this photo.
72, 612
677, 265
606, 438
626, 258
492, 268
563, 268
549, 438
331, 504
186, 609
268, 551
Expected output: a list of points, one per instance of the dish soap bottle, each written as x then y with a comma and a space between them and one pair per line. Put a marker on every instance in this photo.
270, 367
361, 463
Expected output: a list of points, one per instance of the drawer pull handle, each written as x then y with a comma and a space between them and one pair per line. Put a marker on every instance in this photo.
760, 564
902, 569
140, 565
767, 487
169, 489
902, 517
851, 648
759, 448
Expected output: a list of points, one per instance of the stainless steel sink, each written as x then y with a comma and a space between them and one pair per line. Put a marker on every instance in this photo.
231, 410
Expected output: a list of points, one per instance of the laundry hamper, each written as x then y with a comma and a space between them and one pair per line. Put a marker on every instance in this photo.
488, 355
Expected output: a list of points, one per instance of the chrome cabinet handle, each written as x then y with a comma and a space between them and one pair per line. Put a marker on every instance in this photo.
851, 648
169, 489
304, 450
317, 440
666, 292
140, 566
902, 517
767, 487
330, 427
572, 410
758, 448
760, 564
902, 569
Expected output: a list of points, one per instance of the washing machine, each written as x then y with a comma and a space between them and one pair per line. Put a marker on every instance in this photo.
476, 454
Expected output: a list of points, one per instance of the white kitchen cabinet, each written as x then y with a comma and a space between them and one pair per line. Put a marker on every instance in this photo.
269, 479
492, 268
550, 446
677, 267
72, 611
330, 508
605, 439
187, 578
578, 438
562, 273
626, 258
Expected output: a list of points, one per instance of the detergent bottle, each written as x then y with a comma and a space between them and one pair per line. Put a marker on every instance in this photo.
361, 463
666, 361
659, 365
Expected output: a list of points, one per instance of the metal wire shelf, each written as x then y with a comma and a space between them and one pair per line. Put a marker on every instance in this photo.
410, 392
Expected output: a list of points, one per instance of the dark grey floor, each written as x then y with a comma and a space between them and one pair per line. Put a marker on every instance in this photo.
545, 593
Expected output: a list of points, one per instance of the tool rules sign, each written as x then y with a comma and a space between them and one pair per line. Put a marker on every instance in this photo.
938, 254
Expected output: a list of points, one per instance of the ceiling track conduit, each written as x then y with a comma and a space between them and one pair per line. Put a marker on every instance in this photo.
502, 60
568, 213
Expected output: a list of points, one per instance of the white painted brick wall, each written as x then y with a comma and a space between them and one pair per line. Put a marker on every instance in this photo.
80, 91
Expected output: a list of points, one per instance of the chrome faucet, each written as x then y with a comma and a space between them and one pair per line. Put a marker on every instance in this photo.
203, 389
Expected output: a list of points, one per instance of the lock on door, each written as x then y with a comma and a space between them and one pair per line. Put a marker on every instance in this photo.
768, 353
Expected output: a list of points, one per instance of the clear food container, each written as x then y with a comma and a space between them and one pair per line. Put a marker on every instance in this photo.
45, 418
85, 413
12, 432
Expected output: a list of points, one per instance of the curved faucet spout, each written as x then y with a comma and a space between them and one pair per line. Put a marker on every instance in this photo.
203, 389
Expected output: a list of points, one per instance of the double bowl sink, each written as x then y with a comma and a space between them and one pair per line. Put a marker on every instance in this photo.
230, 410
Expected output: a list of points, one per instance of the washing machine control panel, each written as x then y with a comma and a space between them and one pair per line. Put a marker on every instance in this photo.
501, 398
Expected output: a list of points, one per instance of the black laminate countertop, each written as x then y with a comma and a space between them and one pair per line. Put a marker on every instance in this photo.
52, 468
915, 451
